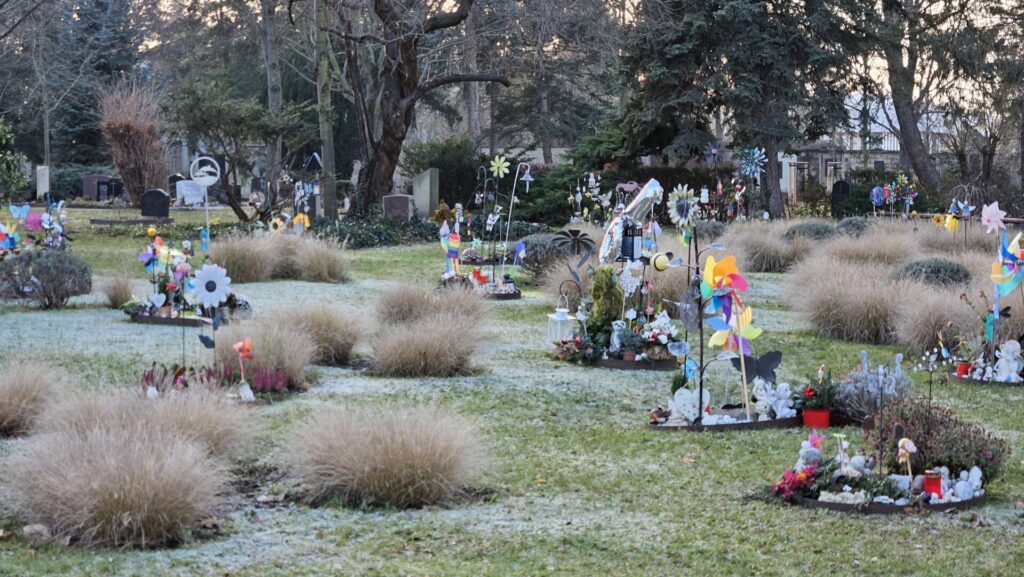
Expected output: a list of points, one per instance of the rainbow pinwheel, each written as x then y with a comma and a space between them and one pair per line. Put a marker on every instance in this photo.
1009, 271
720, 284
735, 333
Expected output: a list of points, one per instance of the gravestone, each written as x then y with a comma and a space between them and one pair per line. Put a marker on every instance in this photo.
425, 191
156, 203
90, 185
840, 192
190, 192
42, 181
172, 187
398, 207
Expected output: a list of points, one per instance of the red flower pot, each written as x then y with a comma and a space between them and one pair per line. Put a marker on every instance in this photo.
963, 369
817, 418
629, 356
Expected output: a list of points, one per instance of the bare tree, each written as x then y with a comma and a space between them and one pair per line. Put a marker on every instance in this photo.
390, 49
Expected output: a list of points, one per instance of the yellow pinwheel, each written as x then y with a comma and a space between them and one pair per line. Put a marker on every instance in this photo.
734, 335
952, 223
499, 166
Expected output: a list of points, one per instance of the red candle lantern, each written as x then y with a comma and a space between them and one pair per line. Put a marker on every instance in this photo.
933, 483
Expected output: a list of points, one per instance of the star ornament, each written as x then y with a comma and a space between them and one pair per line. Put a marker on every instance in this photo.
992, 217
499, 166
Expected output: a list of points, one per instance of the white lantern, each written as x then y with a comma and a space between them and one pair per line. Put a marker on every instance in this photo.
561, 324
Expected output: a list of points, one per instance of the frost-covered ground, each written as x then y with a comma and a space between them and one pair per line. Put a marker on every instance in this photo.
578, 486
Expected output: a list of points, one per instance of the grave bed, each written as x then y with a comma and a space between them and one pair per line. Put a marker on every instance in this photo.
891, 509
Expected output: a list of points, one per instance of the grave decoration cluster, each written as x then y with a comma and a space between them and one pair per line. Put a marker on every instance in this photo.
183, 293
488, 264
848, 481
23, 229
993, 353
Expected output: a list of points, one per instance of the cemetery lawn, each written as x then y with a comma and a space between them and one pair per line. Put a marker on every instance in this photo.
579, 486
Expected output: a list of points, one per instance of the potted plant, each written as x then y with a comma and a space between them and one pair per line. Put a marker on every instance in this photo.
817, 399
632, 344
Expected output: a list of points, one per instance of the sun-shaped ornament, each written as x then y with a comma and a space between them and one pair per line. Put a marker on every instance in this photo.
499, 166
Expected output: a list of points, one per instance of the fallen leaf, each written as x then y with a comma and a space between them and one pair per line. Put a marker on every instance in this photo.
211, 523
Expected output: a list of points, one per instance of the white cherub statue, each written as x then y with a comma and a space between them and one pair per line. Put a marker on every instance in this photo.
1007, 368
782, 402
763, 396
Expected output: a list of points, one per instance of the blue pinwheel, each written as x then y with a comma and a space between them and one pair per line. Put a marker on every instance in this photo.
713, 152
752, 161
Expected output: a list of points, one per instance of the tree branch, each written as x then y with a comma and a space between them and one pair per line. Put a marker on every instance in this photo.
448, 19
425, 87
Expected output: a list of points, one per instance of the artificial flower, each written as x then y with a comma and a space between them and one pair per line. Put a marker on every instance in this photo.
302, 219
499, 166
809, 392
938, 220
212, 285
680, 203
244, 349
34, 222
992, 217
276, 224
952, 223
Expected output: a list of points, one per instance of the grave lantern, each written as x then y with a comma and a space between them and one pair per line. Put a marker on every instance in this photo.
561, 324
632, 240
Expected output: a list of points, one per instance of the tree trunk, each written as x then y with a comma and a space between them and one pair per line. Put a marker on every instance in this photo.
492, 92
771, 178
325, 110
472, 89
268, 42
545, 113
1020, 143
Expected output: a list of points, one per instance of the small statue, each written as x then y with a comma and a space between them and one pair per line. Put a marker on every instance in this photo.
763, 397
1007, 368
810, 452
783, 402
616, 340
906, 449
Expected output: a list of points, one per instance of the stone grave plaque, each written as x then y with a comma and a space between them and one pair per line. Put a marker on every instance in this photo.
90, 185
398, 207
156, 203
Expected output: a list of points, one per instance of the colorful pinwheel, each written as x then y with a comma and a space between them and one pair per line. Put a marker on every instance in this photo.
720, 284
734, 334
992, 217
1009, 271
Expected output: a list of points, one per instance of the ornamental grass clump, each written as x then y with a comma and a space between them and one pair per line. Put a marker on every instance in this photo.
854, 226
196, 414
280, 256
26, 388
116, 488
334, 331
286, 346
941, 437
412, 458
812, 229
118, 291
428, 334
848, 301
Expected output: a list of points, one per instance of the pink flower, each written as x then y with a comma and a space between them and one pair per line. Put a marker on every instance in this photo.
34, 222
992, 217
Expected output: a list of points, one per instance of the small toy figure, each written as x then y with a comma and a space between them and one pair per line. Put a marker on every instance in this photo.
906, 449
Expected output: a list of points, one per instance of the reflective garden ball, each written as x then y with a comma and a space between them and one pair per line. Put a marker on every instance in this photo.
660, 261
151, 232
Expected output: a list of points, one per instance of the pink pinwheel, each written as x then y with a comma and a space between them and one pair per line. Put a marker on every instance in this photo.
992, 217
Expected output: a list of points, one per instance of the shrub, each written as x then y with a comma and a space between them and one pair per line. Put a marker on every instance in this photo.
413, 457
334, 331
843, 300
542, 251
812, 229
130, 122
200, 415
374, 231
942, 439
288, 347
440, 344
48, 277
933, 271
859, 392
853, 226
114, 488
456, 159
25, 390
118, 291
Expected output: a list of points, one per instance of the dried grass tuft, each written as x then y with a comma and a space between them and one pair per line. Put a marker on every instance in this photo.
277, 346
118, 291
26, 388
334, 331
414, 457
267, 256
440, 344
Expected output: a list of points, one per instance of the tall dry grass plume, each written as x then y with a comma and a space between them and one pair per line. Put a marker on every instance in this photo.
267, 256
288, 347
414, 457
334, 331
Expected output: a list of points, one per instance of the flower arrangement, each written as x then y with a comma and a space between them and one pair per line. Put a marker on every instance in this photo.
819, 394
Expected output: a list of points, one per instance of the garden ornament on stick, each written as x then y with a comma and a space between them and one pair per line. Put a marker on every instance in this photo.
906, 448
244, 350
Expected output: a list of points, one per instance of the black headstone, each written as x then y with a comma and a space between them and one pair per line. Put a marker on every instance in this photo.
156, 203
840, 192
